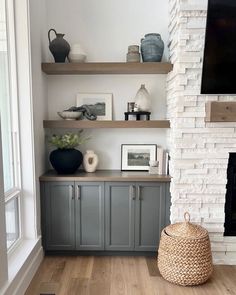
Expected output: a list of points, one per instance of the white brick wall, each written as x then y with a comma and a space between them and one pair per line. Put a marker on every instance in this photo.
199, 151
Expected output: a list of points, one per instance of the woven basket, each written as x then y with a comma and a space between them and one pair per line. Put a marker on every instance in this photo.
184, 255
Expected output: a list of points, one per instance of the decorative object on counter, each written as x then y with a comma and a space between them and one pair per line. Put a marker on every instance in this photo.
166, 163
184, 255
136, 157
67, 115
143, 99
99, 103
160, 159
85, 110
152, 48
90, 161
77, 54
59, 47
66, 159
163, 160
137, 115
133, 54
153, 167
130, 106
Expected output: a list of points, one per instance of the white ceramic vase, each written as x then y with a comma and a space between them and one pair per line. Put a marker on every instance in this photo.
143, 99
77, 53
90, 161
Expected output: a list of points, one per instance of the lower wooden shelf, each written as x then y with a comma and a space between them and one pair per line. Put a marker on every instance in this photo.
83, 124
105, 175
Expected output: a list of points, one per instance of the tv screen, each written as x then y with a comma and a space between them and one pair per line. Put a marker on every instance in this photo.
219, 64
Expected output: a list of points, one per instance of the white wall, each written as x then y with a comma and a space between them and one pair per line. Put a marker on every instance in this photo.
39, 88
105, 28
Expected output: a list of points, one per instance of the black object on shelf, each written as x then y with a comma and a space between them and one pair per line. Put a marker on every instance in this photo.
138, 115
230, 204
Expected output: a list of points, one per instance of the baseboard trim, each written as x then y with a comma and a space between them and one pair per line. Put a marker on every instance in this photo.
99, 253
21, 281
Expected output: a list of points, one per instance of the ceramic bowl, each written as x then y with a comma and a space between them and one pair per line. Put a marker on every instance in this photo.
69, 115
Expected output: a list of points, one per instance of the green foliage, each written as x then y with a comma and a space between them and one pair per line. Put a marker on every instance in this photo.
67, 140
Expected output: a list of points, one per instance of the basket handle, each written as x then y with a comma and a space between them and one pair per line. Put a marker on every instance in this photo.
186, 217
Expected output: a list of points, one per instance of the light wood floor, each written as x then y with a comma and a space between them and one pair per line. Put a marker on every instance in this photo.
90, 275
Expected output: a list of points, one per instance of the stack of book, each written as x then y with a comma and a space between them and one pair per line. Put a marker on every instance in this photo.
163, 161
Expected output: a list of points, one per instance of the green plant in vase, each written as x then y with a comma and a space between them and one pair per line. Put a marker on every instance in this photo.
66, 159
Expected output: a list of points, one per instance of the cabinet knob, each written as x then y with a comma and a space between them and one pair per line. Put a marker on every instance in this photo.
71, 192
139, 195
78, 192
132, 192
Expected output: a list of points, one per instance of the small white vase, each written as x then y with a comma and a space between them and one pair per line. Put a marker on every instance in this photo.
143, 99
77, 54
90, 161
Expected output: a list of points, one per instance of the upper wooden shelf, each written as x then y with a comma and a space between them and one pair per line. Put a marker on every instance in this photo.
84, 124
220, 111
104, 68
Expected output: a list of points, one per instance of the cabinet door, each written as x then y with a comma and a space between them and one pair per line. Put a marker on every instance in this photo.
119, 211
89, 215
149, 215
58, 216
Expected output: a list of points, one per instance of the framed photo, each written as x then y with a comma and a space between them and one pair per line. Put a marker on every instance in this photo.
136, 157
99, 103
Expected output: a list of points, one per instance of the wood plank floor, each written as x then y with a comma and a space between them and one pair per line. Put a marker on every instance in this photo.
88, 275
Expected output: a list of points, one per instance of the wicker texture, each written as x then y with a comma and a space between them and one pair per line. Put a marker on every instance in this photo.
184, 255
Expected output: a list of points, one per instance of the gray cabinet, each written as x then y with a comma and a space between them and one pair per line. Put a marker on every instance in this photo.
119, 208
113, 216
149, 215
58, 215
135, 215
72, 215
89, 215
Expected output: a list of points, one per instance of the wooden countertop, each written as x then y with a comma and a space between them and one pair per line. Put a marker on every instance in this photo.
105, 175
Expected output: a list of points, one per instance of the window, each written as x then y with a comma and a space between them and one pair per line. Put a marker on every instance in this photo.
12, 221
9, 130
19, 238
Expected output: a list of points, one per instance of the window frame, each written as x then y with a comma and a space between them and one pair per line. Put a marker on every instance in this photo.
20, 257
15, 192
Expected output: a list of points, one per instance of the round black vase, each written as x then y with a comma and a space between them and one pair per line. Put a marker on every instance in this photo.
66, 161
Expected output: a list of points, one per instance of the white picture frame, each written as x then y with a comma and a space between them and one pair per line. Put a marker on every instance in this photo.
90, 98
136, 157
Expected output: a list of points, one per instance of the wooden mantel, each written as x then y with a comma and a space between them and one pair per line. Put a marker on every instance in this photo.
217, 111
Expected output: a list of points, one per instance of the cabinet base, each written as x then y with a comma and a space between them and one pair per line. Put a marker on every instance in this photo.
100, 253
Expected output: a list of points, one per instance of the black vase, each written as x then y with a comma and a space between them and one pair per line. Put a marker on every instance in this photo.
59, 47
66, 161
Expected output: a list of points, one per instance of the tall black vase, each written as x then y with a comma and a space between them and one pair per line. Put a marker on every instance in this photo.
59, 47
66, 161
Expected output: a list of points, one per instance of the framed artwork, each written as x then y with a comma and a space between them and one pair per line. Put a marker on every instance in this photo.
136, 157
99, 103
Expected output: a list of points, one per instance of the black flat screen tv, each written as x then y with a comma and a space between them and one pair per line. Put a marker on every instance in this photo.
219, 63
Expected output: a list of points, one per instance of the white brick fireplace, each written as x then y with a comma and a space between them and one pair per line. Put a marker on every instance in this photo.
199, 151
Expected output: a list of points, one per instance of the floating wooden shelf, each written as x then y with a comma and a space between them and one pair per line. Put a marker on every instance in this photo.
220, 111
105, 175
94, 68
80, 124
